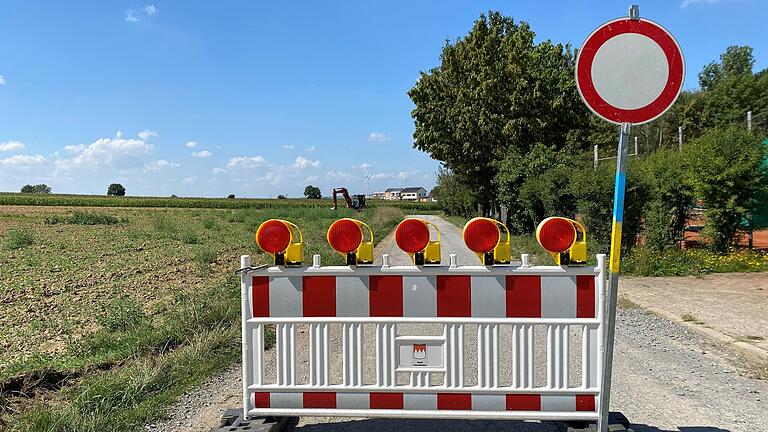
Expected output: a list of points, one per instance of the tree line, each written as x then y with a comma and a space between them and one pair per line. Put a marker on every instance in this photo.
503, 116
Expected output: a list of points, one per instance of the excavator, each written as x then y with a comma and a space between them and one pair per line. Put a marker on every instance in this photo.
356, 202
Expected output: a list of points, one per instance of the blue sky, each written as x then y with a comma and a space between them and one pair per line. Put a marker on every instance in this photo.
262, 98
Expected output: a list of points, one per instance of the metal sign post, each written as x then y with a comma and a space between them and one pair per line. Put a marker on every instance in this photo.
629, 71
613, 267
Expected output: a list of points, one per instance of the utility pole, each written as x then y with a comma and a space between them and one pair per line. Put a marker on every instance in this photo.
636, 153
750, 236
680, 137
596, 158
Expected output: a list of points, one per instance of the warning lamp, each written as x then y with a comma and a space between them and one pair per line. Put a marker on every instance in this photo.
413, 237
564, 239
277, 238
346, 237
483, 237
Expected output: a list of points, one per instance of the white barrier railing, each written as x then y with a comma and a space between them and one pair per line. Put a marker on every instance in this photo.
500, 342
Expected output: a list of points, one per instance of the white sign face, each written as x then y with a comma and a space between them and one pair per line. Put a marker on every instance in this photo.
629, 71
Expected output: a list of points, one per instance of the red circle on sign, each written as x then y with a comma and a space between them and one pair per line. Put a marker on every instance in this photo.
412, 235
668, 95
556, 234
273, 236
481, 235
345, 236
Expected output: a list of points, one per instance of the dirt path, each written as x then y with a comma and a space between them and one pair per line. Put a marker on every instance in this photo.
667, 378
735, 304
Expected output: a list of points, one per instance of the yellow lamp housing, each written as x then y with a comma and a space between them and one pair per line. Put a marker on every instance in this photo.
576, 254
364, 254
414, 237
482, 236
432, 251
340, 234
283, 240
502, 253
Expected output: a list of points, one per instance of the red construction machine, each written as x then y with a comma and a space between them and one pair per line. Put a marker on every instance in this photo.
356, 202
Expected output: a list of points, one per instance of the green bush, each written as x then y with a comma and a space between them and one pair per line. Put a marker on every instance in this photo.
453, 196
209, 224
18, 238
594, 190
122, 315
727, 172
671, 197
82, 218
205, 256
189, 237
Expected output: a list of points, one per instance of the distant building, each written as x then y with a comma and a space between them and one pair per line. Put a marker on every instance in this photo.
413, 193
377, 195
392, 193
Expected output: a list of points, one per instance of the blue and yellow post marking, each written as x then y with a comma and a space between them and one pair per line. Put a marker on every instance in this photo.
618, 217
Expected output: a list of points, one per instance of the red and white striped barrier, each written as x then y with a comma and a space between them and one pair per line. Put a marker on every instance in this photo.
499, 314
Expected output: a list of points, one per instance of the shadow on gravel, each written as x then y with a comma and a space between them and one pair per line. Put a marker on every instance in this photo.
400, 425
381, 425
646, 428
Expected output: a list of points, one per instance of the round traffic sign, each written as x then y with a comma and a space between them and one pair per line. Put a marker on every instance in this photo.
630, 71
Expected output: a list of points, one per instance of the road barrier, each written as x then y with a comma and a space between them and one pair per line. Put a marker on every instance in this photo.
487, 341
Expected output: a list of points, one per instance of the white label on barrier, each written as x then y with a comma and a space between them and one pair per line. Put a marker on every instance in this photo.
416, 353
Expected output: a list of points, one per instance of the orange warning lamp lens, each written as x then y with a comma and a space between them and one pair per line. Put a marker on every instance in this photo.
481, 235
273, 236
345, 236
412, 236
556, 234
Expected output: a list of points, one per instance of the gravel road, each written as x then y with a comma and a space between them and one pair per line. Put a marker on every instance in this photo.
666, 378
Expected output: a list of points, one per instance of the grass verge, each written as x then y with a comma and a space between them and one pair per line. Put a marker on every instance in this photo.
144, 312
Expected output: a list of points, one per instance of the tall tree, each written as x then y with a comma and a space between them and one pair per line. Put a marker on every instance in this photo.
495, 95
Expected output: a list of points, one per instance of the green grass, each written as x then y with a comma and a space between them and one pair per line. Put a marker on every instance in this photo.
17, 238
690, 318
202, 203
646, 262
83, 218
127, 316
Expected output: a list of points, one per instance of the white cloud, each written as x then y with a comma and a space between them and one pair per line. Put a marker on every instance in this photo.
191, 144
364, 165
2, 80
9, 146
685, 3
160, 165
246, 162
76, 149
303, 163
146, 134
310, 179
289, 147
378, 137
395, 175
218, 171
130, 16
202, 154
147, 11
106, 152
310, 149
22, 161
189, 180
338, 176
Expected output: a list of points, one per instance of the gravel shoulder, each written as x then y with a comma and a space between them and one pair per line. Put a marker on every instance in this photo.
735, 304
666, 378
